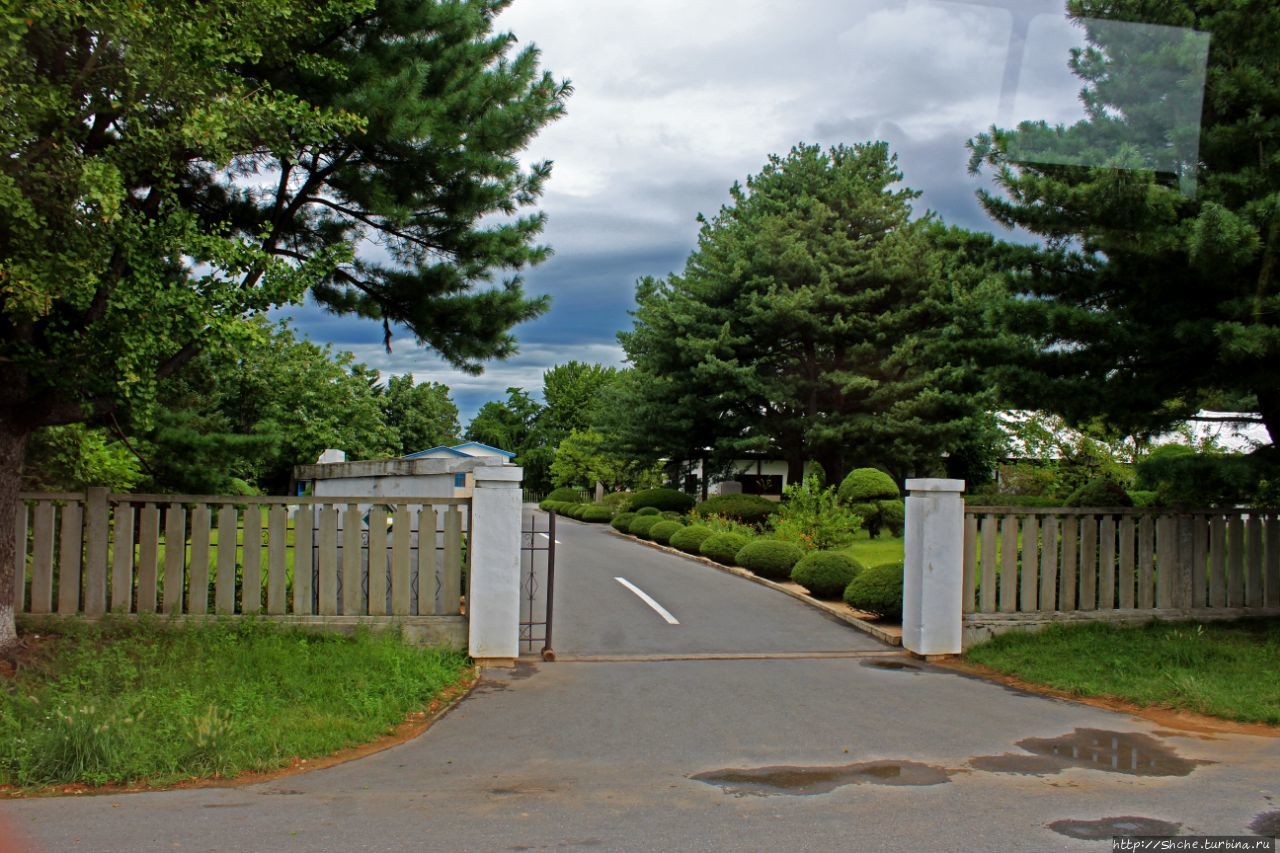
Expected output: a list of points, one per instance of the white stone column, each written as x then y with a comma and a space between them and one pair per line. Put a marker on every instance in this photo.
933, 572
493, 601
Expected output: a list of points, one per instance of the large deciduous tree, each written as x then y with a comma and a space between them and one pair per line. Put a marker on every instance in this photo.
802, 323
1155, 287
423, 415
171, 166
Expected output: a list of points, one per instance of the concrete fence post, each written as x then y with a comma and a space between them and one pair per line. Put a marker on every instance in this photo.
933, 571
493, 602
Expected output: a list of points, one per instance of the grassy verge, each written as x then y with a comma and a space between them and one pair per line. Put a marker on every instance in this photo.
152, 704
873, 552
1228, 670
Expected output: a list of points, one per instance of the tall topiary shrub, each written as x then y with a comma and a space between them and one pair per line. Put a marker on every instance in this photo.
689, 539
826, 573
724, 547
872, 494
877, 590
769, 558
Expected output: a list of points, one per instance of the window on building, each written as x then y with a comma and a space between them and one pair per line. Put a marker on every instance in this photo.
459, 481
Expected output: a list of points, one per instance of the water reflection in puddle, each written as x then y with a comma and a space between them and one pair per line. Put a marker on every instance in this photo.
892, 665
1130, 753
807, 781
1109, 827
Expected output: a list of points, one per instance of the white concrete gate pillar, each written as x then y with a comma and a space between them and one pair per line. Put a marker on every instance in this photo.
493, 600
933, 571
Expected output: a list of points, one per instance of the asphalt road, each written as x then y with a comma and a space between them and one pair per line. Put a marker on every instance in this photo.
605, 755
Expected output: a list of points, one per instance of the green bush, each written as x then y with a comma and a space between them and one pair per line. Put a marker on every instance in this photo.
689, 539
672, 515
868, 484
769, 558
748, 509
663, 531
597, 513
877, 590
893, 515
662, 499
724, 547
551, 506
826, 573
1145, 499
648, 510
622, 521
568, 494
1000, 499
1100, 493
617, 500
642, 524
571, 510
1182, 477
886, 514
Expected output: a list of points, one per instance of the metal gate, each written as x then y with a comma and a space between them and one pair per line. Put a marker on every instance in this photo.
537, 585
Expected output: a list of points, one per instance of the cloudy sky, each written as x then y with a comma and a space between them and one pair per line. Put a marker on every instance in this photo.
677, 99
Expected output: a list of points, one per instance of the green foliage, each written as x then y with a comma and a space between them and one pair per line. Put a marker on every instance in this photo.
867, 484
146, 704
617, 500
567, 493
689, 539
877, 590
769, 558
1099, 493
647, 510
1225, 669
813, 320
664, 530
1026, 478
749, 509
1151, 286
826, 574
812, 517
662, 499
723, 547
642, 524
422, 416
571, 392
586, 457
893, 515
75, 457
597, 513
1143, 499
1000, 499
622, 521
1181, 476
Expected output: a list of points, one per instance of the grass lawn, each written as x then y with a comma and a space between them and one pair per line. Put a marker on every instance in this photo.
1224, 669
872, 552
153, 704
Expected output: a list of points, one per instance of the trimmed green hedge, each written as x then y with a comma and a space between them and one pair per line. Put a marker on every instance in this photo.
622, 521
724, 547
664, 530
568, 494
877, 590
597, 513
826, 574
647, 510
769, 558
868, 484
662, 499
748, 509
689, 539
642, 524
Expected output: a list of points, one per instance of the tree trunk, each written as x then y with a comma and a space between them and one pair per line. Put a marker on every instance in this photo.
13, 446
1269, 408
795, 468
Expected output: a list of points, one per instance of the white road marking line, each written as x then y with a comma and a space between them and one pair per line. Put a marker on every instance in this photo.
545, 536
644, 596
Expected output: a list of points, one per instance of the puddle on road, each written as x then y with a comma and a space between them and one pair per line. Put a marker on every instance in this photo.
1108, 827
1130, 753
892, 665
807, 781
1267, 823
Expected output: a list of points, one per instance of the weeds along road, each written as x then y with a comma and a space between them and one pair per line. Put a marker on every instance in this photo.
869, 751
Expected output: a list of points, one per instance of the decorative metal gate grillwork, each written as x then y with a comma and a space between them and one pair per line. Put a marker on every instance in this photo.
537, 584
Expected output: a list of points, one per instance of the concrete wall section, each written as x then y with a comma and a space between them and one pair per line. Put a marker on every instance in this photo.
933, 571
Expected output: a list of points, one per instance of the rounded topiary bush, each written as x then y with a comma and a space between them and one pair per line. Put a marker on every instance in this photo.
748, 509
662, 499
572, 510
622, 521
826, 574
551, 506
664, 530
877, 590
893, 515
642, 524
597, 513
648, 510
1100, 493
867, 484
769, 558
568, 494
724, 547
689, 539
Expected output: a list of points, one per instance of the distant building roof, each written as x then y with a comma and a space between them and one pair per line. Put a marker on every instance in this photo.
466, 450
